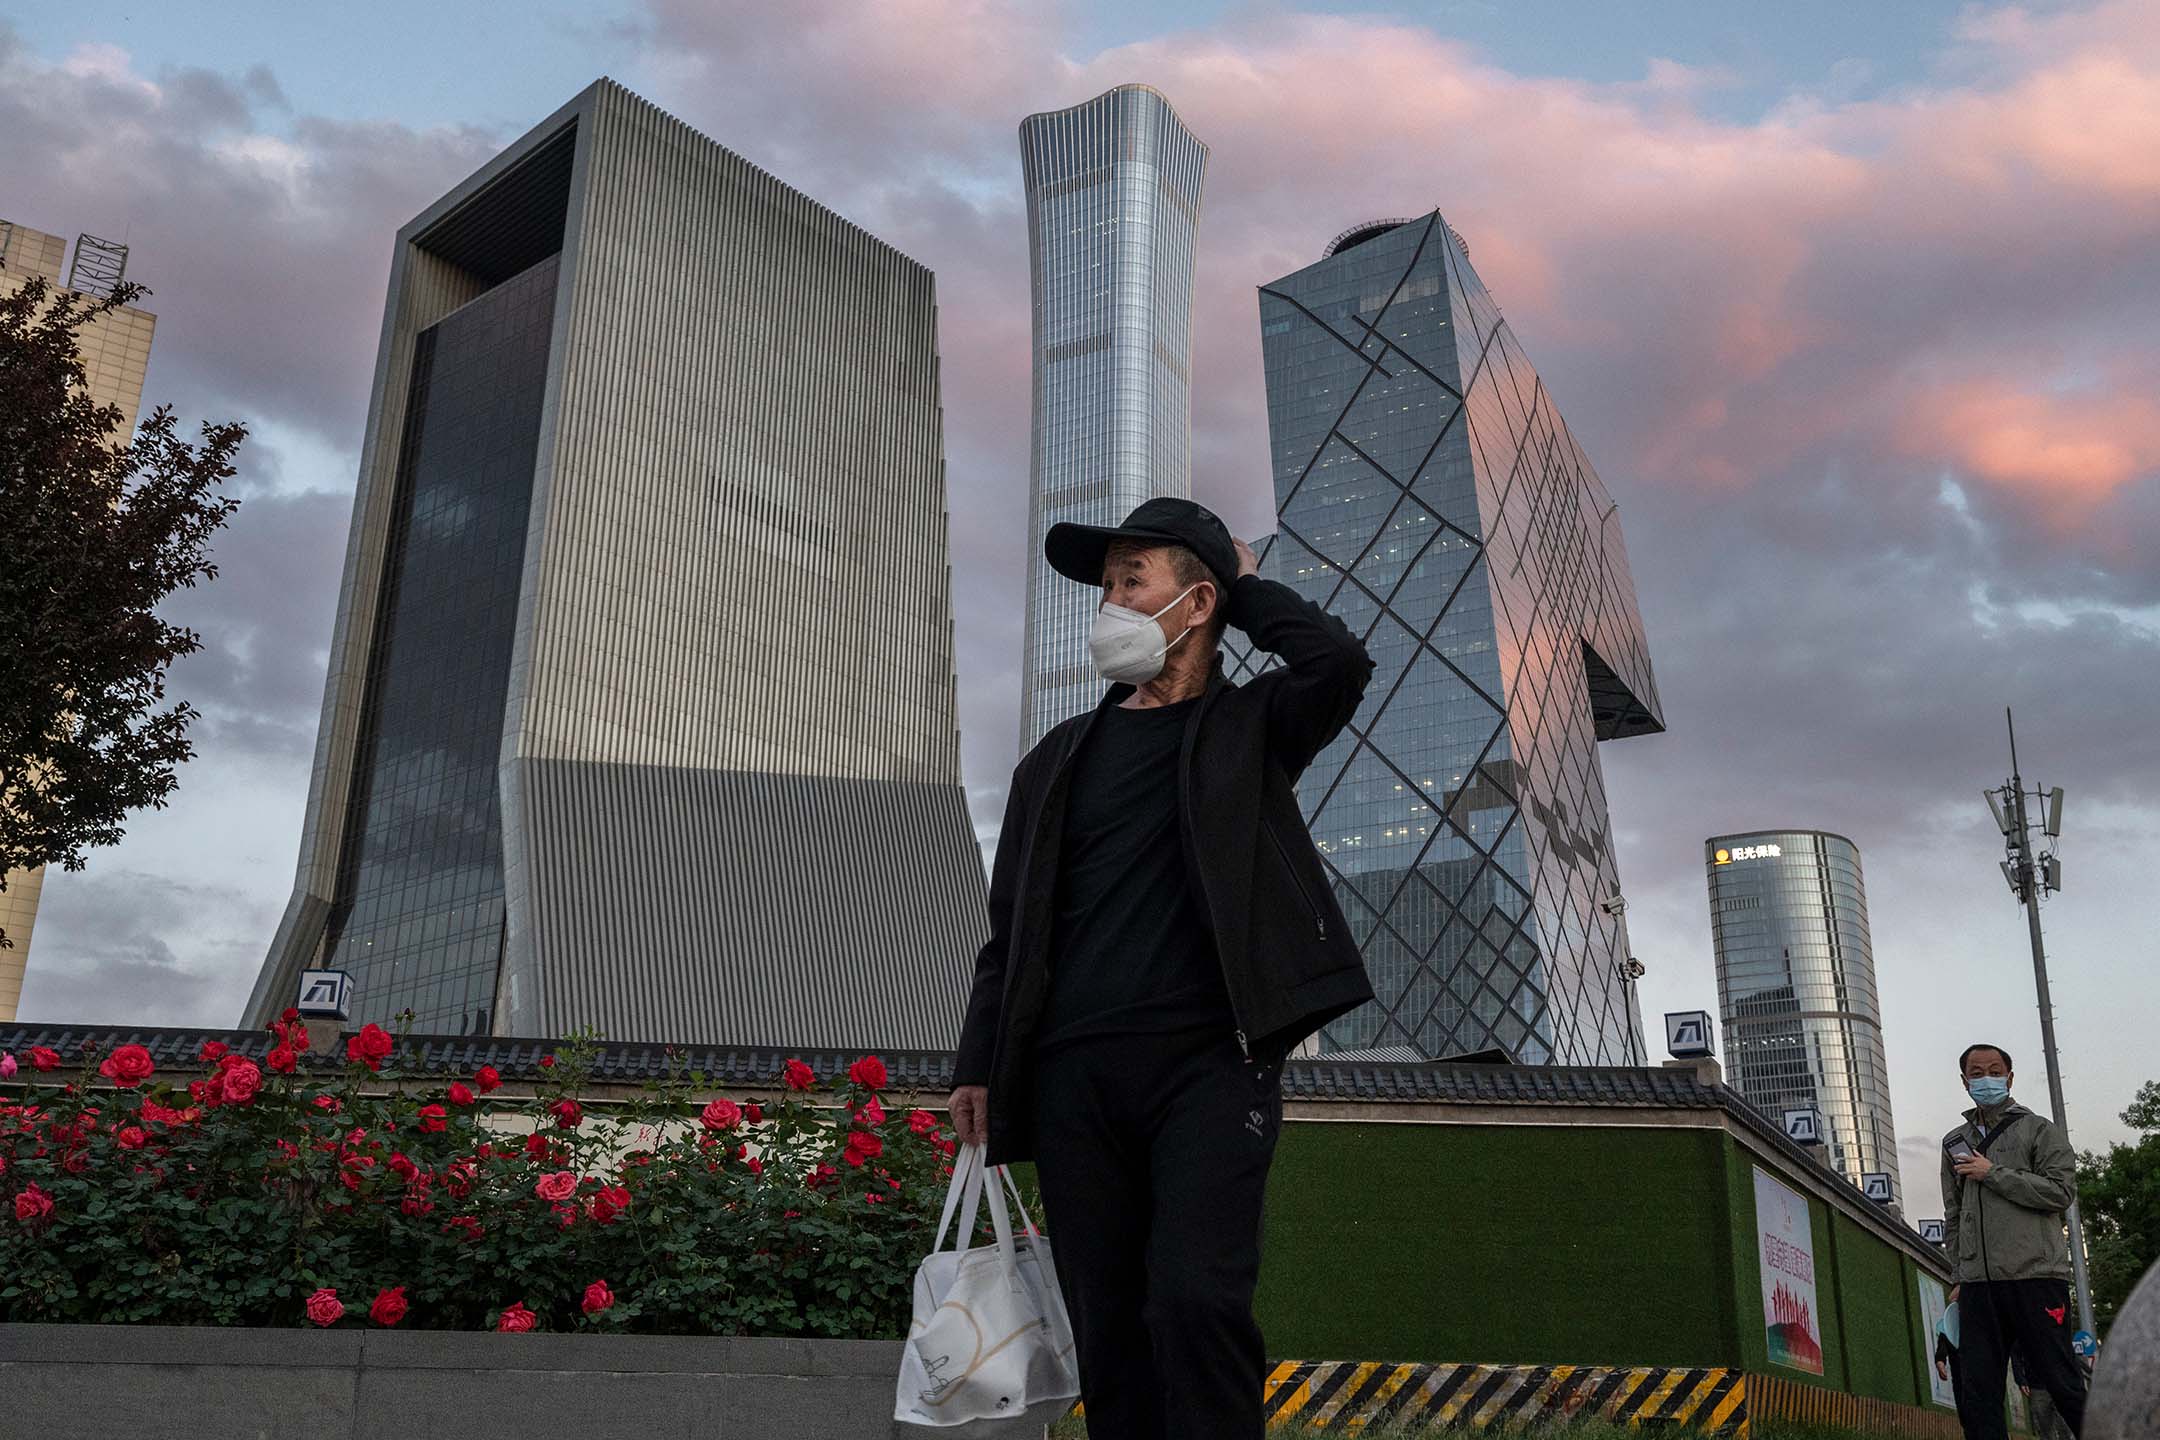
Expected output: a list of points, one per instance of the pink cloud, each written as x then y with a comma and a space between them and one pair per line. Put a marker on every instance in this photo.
2075, 450
1714, 300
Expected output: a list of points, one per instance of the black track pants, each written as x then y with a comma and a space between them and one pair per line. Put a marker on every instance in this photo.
1152, 1152
2033, 1317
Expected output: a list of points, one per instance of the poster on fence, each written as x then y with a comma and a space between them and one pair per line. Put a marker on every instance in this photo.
1933, 1302
1787, 1242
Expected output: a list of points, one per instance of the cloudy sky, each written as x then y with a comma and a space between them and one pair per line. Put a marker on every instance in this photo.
1852, 304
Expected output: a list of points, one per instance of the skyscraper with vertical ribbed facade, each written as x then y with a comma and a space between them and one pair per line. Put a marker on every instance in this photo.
1796, 984
1113, 201
116, 356
641, 710
1430, 495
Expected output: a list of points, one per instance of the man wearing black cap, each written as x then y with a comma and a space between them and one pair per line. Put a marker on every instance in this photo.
1162, 935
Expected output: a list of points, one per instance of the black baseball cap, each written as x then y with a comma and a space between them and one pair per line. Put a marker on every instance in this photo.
1077, 551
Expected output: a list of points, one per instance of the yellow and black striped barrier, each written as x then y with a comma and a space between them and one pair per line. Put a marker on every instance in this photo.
1352, 1397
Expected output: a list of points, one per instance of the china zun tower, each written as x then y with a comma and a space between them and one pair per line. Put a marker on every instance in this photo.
1113, 200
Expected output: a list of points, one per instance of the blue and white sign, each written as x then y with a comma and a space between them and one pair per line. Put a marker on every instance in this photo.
1804, 1126
1687, 1034
1932, 1231
325, 994
1875, 1184
2083, 1344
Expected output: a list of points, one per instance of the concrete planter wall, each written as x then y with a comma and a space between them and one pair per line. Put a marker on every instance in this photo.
151, 1382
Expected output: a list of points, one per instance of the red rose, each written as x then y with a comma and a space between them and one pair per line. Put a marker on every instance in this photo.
756, 1166
131, 1137
43, 1058
560, 1185
868, 1072
721, 1115
126, 1067
823, 1176
466, 1225
460, 1093
800, 1076
433, 1119
282, 1060
389, 1307
609, 1202
403, 1166
370, 1047
32, 1204
922, 1122
873, 1114
514, 1320
566, 1113
324, 1308
288, 1014
489, 1079
597, 1297
547, 1062
211, 1049
861, 1146
241, 1081
328, 1104
753, 1113
296, 1037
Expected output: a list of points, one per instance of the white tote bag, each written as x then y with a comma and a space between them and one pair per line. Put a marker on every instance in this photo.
990, 1335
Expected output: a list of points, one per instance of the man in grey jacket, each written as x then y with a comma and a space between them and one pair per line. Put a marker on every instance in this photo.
2007, 1177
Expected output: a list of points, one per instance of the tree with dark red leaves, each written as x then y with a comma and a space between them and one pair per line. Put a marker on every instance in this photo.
101, 528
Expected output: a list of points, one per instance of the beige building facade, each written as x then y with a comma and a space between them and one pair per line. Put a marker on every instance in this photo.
116, 355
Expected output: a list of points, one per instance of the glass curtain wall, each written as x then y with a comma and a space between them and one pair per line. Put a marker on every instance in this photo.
1113, 200
1796, 984
418, 914
1429, 495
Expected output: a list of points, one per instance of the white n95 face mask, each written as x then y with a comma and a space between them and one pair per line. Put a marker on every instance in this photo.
1127, 646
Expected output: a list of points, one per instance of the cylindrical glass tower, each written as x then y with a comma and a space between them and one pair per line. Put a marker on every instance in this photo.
1796, 985
1113, 200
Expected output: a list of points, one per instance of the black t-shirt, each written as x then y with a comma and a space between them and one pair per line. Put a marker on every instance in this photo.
1130, 949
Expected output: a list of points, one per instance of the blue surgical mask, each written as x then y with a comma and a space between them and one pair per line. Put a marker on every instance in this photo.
1988, 1091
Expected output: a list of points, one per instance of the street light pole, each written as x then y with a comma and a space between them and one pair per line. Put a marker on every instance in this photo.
2031, 876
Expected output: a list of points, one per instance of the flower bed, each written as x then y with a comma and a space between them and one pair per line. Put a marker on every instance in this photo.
293, 1193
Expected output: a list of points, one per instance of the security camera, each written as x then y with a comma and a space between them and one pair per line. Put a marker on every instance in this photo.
1632, 969
1613, 904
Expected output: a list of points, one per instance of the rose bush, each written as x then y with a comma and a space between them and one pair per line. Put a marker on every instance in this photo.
235, 1196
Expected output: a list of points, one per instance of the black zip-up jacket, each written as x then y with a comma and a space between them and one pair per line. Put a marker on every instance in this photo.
1288, 960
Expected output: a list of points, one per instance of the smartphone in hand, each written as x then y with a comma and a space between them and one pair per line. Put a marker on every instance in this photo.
1960, 1148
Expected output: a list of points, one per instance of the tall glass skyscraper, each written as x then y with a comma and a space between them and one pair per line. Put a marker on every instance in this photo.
1796, 983
1113, 199
1428, 493
640, 710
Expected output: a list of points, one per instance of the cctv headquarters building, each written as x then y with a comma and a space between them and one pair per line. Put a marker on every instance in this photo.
1429, 494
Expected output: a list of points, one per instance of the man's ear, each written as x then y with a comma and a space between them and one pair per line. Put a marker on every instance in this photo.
1214, 594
